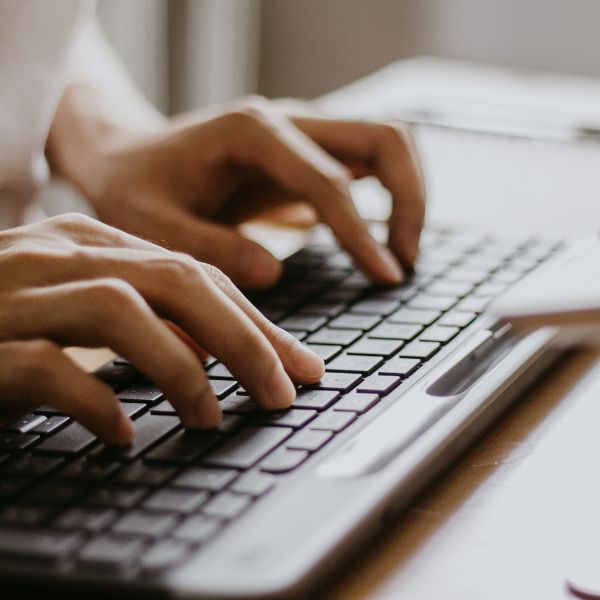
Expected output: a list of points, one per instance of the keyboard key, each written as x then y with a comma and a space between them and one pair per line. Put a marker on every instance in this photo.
341, 382
230, 423
419, 349
110, 554
86, 470
25, 424
333, 421
441, 287
439, 333
377, 307
303, 322
376, 347
222, 387
149, 430
349, 363
72, 439
176, 500
489, 289
239, 405
283, 460
226, 506
294, 418
299, 335
254, 483
8, 489
414, 316
309, 439
220, 370
354, 321
395, 331
324, 309
13, 442
430, 302
46, 409
324, 351
133, 409
163, 555
203, 478
471, 276
317, 399
335, 337
26, 515
144, 523
30, 465
50, 425
198, 529
142, 474
117, 496
457, 318
141, 393
183, 448
247, 447
403, 367
379, 384
41, 546
164, 408
90, 519
473, 304
356, 402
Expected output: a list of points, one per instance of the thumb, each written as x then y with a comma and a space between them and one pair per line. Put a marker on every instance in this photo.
247, 263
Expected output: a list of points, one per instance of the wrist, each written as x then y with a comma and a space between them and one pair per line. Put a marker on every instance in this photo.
85, 133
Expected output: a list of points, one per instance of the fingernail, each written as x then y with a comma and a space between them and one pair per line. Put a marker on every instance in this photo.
391, 268
125, 431
281, 391
308, 363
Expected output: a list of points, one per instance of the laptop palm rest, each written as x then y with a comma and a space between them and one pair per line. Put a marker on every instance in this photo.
387, 436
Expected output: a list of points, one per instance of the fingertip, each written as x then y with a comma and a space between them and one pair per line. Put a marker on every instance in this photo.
387, 269
281, 392
124, 432
206, 414
309, 366
259, 268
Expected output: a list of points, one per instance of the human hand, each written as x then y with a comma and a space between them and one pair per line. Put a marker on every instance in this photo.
74, 281
186, 184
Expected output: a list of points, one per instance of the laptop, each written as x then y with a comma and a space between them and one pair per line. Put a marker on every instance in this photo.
269, 505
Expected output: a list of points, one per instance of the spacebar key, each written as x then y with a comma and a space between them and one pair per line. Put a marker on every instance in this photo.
247, 447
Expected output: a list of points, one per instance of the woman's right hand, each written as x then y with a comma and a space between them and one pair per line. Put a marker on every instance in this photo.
71, 280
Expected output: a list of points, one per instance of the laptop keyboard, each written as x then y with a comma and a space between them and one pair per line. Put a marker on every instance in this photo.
67, 500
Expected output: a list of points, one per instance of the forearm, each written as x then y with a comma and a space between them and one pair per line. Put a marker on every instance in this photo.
99, 106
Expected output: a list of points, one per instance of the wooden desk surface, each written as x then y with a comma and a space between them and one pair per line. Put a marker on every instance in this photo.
507, 519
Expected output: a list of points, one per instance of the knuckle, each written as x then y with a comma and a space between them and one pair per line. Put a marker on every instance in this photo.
250, 114
179, 267
111, 296
217, 276
396, 134
72, 222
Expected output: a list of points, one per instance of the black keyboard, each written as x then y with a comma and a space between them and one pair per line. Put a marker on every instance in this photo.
67, 500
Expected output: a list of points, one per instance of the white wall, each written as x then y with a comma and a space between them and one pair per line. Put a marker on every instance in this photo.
312, 46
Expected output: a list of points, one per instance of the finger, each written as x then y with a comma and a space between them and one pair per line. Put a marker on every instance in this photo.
200, 352
301, 167
301, 364
109, 312
37, 369
389, 152
179, 289
249, 264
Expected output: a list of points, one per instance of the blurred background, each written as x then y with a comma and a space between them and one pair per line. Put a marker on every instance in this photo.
185, 54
